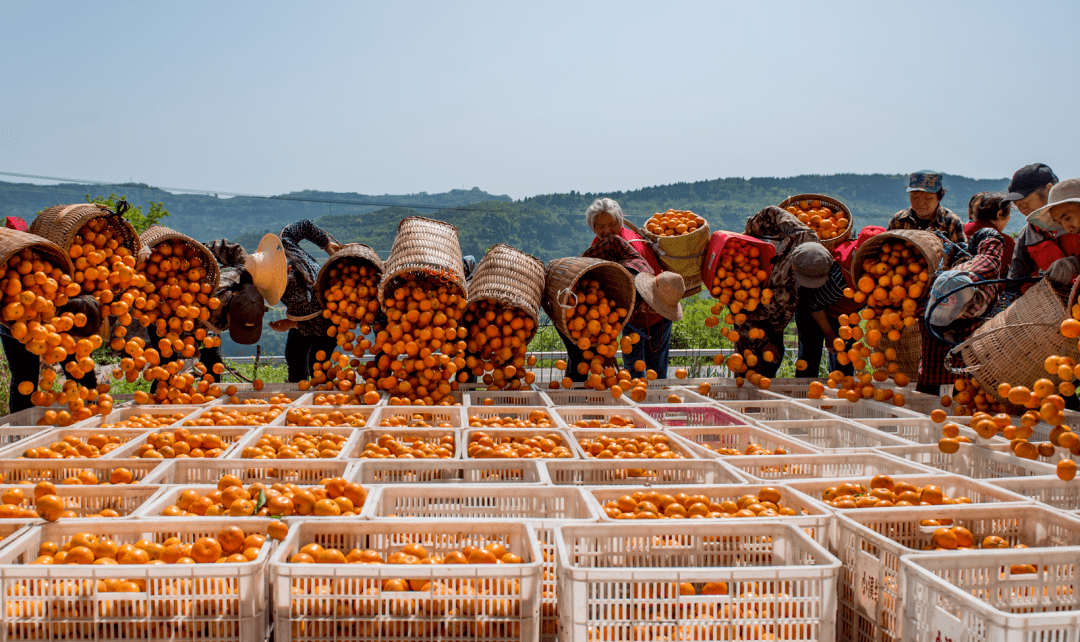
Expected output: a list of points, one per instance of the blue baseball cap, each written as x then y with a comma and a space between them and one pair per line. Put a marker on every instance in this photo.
924, 180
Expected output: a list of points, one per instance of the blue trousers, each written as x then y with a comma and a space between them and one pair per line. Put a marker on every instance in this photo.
811, 343
653, 348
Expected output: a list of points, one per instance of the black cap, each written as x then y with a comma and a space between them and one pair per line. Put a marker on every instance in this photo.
1029, 178
246, 310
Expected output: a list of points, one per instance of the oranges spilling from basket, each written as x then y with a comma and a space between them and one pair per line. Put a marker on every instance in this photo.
740, 280
351, 300
312, 417
827, 221
104, 266
232, 545
535, 419
547, 446
182, 443
497, 343
300, 445
884, 492
645, 446
674, 223
407, 446
656, 504
892, 286
33, 288
332, 497
594, 323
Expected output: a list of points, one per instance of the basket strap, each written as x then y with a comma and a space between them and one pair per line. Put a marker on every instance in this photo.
656, 248
561, 295
304, 317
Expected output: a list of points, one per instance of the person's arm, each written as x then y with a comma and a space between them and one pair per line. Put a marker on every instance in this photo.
283, 325
227, 253
822, 320
305, 230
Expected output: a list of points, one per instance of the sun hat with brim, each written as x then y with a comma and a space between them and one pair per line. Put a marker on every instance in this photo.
246, 310
268, 268
1067, 191
662, 293
810, 265
952, 306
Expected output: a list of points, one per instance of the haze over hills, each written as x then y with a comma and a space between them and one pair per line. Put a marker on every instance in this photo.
548, 226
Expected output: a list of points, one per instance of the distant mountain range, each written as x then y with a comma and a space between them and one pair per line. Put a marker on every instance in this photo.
548, 226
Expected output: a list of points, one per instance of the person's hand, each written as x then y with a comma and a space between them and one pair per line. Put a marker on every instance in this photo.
282, 325
830, 339
1063, 271
332, 248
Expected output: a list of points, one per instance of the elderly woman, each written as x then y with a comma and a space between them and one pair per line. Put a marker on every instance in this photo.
1061, 215
926, 212
605, 218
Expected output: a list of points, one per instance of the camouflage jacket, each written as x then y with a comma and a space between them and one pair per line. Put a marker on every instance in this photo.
943, 219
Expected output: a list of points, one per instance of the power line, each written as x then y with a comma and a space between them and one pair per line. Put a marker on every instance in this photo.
306, 199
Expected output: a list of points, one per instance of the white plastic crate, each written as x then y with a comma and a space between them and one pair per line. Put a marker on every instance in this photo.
622, 582
215, 602
230, 439
635, 472
12, 436
731, 392
812, 516
452, 471
520, 413
690, 415
674, 443
776, 410
862, 409
706, 440
1064, 495
292, 471
571, 397
505, 398
88, 501
952, 486
297, 397
976, 596
433, 436
251, 409
835, 434
170, 494
30, 417
432, 416
655, 396
972, 461
816, 466
570, 417
127, 412
509, 610
922, 431
348, 447
871, 541
351, 399
367, 412
130, 441
13, 471
453, 399
542, 508
513, 433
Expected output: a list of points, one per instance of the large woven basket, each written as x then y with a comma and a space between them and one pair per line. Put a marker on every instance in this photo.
14, 241
683, 254
156, 234
908, 350
563, 274
350, 253
1012, 346
60, 224
424, 245
928, 244
510, 277
834, 205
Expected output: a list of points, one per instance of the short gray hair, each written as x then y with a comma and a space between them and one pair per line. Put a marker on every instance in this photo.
603, 205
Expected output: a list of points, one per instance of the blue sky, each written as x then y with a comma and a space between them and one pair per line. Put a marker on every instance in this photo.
531, 98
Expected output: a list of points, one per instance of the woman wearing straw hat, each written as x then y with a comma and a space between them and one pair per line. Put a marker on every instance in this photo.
305, 323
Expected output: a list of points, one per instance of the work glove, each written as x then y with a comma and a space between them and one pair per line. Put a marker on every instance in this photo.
1063, 271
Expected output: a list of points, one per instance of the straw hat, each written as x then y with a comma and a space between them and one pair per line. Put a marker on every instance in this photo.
1067, 191
662, 293
268, 268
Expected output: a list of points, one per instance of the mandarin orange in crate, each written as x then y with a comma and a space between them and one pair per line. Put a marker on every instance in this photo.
414, 443
507, 443
66, 472
76, 443
288, 442
503, 313
183, 442
493, 417
829, 218
353, 417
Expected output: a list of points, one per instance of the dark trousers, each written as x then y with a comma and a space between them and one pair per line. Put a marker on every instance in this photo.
653, 348
812, 342
575, 355
25, 366
300, 351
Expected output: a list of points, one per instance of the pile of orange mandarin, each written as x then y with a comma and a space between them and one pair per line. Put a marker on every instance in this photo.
674, 223
826, 222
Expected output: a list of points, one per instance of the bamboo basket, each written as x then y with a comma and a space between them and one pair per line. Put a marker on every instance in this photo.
13, 241
1011, 347
563, 274
511, 278
834, 205
60, 224
424, 245
927, 243
683, 254
349, 253
156, 234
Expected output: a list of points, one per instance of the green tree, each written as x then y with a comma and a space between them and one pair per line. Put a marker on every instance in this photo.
134, 214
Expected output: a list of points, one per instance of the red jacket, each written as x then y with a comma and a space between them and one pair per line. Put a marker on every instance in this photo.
1010, 243
642, 246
